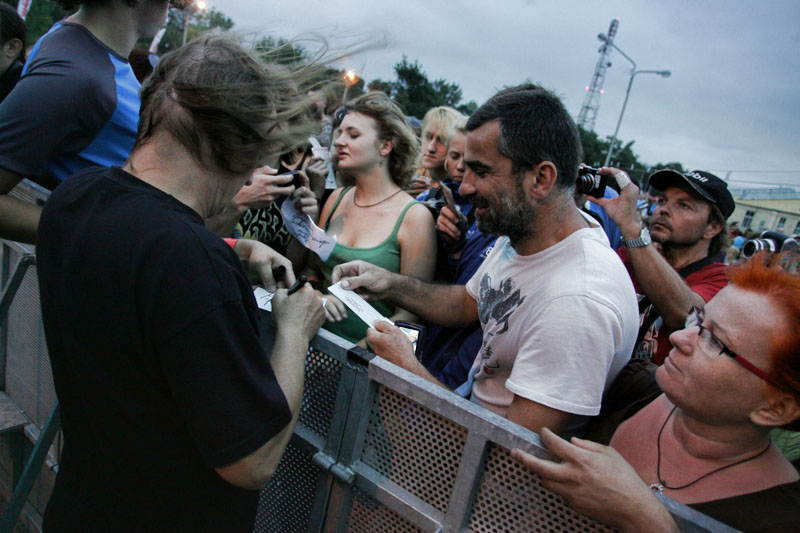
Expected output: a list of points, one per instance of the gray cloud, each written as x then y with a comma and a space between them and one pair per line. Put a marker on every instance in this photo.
731, 103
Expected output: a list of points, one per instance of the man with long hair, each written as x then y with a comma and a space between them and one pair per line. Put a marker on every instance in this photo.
173, 414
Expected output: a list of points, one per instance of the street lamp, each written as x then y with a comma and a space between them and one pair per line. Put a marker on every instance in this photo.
200, 5
350, 79
634, 72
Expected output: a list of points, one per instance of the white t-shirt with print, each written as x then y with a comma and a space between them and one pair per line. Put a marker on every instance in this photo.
558, 325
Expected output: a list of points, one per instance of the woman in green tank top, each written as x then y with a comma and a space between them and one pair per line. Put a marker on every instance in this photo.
375, 220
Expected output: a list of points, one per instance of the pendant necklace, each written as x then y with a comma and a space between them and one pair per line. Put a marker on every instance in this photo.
662, 484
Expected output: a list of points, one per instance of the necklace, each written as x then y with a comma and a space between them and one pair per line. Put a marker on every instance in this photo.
376, 203
662, 484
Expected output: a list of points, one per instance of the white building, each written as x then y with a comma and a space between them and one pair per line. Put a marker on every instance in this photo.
767, 209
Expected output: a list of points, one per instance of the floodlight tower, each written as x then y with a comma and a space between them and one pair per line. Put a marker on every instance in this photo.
592, 101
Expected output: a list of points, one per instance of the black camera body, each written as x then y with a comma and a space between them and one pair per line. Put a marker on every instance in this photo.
591, 182
771, 241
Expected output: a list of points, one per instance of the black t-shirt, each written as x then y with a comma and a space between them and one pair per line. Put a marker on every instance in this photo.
773, 510
152, 331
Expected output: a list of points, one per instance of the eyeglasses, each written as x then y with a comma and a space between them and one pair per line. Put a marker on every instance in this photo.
713, 347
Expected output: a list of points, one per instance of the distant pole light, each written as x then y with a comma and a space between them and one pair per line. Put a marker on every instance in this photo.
200, 5
350, 79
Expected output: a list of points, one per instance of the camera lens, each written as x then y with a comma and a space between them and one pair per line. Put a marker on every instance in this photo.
587, 183
753, 246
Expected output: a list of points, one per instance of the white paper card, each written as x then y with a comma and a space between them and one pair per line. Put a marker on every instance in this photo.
305, 231
322, 152
357, 304
263, 298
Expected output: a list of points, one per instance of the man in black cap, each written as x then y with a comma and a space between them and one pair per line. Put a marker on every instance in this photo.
672, 262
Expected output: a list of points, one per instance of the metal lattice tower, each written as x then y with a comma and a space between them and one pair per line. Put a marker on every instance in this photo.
592, 101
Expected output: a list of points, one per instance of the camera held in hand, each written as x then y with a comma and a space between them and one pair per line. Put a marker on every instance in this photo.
591, 182
771, 241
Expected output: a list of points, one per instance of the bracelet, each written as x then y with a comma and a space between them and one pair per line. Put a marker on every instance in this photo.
231, 242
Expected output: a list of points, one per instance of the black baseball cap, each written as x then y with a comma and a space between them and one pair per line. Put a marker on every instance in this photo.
706, 184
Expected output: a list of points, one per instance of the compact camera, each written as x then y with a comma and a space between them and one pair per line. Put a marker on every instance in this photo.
591, 182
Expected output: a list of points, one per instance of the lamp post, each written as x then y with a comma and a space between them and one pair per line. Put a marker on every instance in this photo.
200, 5
634, 72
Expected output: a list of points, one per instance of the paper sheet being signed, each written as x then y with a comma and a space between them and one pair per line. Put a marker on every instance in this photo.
305, 231
357, 304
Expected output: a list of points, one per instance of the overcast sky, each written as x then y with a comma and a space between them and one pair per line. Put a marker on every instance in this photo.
732, 103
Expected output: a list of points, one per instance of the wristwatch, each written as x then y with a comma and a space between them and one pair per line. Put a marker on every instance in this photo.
642, 241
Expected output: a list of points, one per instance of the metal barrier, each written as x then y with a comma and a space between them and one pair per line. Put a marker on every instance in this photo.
375, 449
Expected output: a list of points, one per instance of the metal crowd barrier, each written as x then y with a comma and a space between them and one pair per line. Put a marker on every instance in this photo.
376, 448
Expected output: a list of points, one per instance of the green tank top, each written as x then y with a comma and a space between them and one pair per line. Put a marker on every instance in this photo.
385, 255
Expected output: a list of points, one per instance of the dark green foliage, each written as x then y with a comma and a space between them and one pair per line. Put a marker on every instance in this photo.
200, 22
415, 93
281, 51
595, 150
41, 16
293, 54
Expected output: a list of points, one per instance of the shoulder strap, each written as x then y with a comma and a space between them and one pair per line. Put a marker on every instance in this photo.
400, 219
335, 205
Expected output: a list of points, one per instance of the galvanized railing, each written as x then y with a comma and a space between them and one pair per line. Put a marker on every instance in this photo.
377, 448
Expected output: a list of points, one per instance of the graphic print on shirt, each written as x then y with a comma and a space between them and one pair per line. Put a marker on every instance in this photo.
648, 347
495, 310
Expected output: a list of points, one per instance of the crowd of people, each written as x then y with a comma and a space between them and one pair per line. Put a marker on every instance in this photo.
539, 303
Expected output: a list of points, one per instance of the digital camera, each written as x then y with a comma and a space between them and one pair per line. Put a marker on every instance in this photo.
591, 182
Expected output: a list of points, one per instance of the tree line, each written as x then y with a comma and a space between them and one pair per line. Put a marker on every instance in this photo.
412, 89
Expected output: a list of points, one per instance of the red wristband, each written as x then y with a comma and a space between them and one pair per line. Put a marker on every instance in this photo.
231, 242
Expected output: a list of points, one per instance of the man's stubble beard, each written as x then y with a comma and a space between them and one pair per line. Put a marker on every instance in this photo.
512, 218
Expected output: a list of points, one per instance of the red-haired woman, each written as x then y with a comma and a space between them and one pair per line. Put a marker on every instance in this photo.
732, 376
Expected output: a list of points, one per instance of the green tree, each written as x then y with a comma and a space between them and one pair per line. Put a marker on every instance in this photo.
281, 51
415, 93
468, 108
595, 151
327, 79
594, 148
200, 22
41, 16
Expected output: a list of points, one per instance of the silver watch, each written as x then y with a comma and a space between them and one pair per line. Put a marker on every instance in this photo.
642, 241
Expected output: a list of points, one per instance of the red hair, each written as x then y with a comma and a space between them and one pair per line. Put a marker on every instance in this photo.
763, 274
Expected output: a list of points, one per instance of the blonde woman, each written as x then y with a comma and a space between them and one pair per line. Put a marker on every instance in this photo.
437, 126
374, 220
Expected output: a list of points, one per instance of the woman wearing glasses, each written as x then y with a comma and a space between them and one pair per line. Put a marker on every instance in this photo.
732, 376
374, 220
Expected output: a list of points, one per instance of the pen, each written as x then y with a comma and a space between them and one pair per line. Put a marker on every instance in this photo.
297, 285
